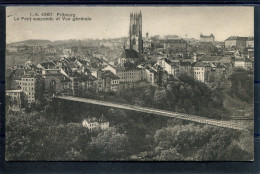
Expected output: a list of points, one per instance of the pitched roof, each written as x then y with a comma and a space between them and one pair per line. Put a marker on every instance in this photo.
211, 58
185, 63
17, 74
14, 90
102, 119
110, 74
31, 74
250, 39
237, 38
129, 53
48, 65
205, 36
174, 41
201, 64
91, 120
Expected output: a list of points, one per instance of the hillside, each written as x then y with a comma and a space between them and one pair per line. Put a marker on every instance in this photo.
30, 42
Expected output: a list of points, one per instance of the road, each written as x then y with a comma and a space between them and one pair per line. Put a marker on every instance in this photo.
183, 116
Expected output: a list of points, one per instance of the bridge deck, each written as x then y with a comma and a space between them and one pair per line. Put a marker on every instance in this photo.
198, 119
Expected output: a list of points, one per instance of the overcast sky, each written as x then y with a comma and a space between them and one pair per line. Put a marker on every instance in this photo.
113, 22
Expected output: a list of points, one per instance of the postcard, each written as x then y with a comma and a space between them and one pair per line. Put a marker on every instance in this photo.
129, 83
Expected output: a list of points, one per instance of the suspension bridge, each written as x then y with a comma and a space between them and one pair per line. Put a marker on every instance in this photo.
165, 113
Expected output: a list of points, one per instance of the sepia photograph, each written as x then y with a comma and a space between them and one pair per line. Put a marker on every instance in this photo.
129, 83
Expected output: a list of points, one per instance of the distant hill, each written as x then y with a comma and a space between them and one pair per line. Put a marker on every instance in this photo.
30, 42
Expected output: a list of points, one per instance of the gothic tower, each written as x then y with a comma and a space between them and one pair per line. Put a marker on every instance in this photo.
135, 41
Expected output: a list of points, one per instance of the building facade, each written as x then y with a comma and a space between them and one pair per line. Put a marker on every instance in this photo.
175, 44
15, 99
129, 75
235, 41
204, 38
95, 124
201, 71
31, 84
107, 81
243, 63
250, 42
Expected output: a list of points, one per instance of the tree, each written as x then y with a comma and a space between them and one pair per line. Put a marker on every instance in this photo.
219, 146
108, 145
160, 98
242, 85
169, 155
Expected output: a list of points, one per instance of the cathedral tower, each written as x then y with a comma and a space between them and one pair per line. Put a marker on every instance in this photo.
135, 41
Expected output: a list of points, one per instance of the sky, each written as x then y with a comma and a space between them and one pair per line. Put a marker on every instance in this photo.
113, 22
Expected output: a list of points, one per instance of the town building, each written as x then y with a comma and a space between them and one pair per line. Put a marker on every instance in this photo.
95, 124
237, 53
31, 85
15, 99
90, 123
172, 68
67, 52
205, 38
201, 71
56, 80
13, 78
128, 55
129, 74
250, 42
175, 45
87, 82
47, 65
110, 68
236, 42
244, 63
147, 43
151, 75
185, 68
107, 81
103, 123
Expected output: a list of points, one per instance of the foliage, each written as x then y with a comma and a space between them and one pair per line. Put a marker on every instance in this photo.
108, 145
186, 142
242, 85
32, 137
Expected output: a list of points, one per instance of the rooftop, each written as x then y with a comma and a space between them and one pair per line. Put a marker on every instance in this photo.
205, 36
201, 64
48, 65
31, 74
237, 38
11, 91
173, 41
110, 74
91, 120
128, 53
102, 119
